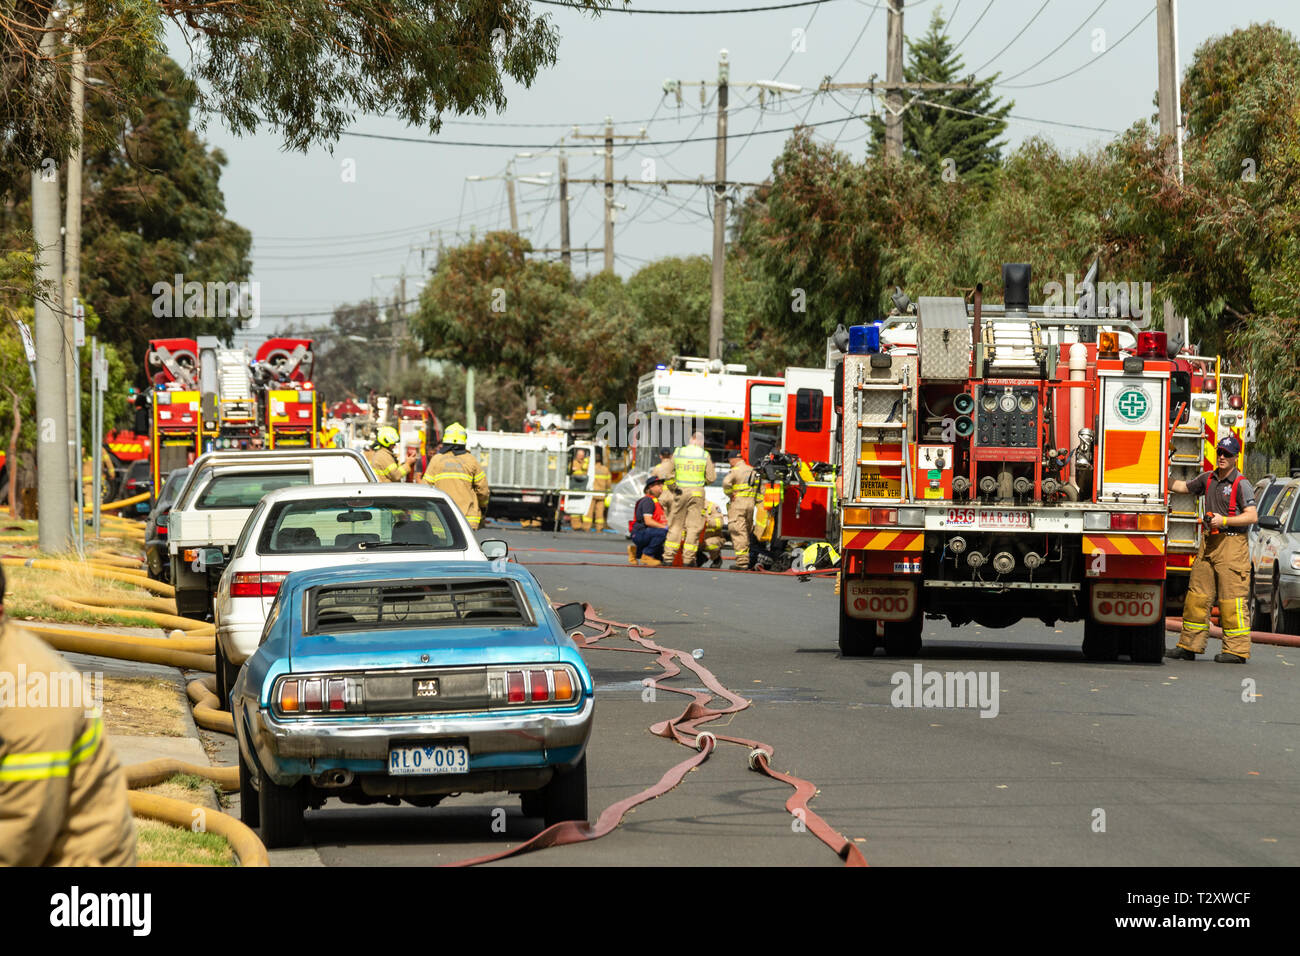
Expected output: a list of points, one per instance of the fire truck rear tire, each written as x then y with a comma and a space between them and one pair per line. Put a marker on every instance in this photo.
1148, 643
1100, 641
903, 638
857, 638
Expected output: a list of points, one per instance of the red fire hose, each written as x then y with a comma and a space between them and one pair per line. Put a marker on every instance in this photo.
685, 730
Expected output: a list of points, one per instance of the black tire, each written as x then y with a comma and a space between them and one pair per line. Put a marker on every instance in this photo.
280, 809
1148, 643
1284, 621
1100, 641
154, 563
227, 674
531, 803
1259, 621
857, 638
248, 802
903, 638
565, 797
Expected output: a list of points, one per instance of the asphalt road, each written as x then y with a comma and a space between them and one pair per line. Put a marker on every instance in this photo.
1078, 763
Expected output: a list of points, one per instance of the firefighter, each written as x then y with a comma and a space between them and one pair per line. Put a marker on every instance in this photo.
458, 473
649, 526
1223, 566
600, 484
711, 546
578, 482
63, 797
383, 457
665, 471
740, 486
692, 470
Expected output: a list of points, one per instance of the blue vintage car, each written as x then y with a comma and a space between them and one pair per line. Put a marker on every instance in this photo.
412, 681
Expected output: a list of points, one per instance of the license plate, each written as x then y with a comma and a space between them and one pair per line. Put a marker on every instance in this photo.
1005, 519
423, 761
532, 499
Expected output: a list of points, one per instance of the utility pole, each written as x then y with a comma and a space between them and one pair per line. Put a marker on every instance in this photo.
609, 136
1171, 122
894, 76
52, 496
565, 255
537, 179
719, 214
72, 265
510, 193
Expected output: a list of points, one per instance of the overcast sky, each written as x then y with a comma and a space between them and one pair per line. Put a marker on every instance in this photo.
320, 241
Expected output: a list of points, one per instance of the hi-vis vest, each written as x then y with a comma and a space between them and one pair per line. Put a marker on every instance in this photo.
689, 464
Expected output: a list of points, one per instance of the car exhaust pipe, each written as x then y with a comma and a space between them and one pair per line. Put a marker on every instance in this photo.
333, 779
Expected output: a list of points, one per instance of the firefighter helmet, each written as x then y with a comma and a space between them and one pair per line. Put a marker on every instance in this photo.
455, 434
387, 437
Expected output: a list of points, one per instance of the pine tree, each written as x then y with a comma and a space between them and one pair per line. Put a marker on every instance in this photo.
966, 132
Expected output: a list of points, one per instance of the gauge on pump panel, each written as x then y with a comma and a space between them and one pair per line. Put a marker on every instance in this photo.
1007, 402
1027, 402
989, 402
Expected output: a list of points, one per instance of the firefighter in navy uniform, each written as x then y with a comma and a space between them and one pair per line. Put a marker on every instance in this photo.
1222, 570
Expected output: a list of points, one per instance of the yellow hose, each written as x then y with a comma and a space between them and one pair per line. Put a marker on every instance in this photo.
202, 645
106, 608
248, 848
207, 708
161, 604
58, 564
156, 771
115, 505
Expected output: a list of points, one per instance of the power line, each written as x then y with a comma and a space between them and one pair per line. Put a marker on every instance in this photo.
1030, 86
687, 13
1057, 48
972, 27
1013, 39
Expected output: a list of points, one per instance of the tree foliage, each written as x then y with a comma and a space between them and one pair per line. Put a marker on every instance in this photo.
962, 127
307, 68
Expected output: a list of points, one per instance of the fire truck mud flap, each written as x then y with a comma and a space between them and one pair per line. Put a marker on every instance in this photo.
880, 599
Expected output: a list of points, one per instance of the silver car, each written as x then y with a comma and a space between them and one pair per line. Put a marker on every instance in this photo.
319, 526
1275, 563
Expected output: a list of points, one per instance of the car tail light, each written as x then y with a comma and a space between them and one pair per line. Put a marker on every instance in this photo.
336, 691
557, 684
313, 695
515, 687
289, 697
256, 583
538, 686
563, 685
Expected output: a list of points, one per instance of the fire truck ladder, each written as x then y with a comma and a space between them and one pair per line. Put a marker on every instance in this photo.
1185, 464
1012, 347
883, 409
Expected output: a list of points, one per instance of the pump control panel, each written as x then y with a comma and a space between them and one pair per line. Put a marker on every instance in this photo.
1007, 416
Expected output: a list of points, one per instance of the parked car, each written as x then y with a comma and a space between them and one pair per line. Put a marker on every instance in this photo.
136, 479
317, 526
218, 496
1275, 564
155, 528
415, 681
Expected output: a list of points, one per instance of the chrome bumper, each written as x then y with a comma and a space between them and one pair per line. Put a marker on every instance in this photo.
370, 738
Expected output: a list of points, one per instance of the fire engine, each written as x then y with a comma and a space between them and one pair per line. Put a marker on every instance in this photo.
206, 396
1004, 467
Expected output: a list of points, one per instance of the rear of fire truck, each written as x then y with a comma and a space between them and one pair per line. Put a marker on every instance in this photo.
1005, 468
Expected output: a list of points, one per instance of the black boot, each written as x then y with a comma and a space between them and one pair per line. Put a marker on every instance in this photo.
1180, 654
1226, 658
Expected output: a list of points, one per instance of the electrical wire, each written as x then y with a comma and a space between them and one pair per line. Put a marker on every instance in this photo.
1027, 25
1055, 79
1058, 47
686, 13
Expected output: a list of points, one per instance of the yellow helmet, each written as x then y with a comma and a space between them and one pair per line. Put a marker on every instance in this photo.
455, 434
387, 437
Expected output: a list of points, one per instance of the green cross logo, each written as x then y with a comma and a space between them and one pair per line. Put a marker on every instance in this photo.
1132, 404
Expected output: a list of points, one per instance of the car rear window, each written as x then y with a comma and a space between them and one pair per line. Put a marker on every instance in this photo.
401, 605
245, 491
330, 526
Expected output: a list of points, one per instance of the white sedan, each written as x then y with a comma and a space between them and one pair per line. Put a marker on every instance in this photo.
318, 526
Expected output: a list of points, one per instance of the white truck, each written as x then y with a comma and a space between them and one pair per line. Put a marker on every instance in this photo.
221, 492
527, 473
